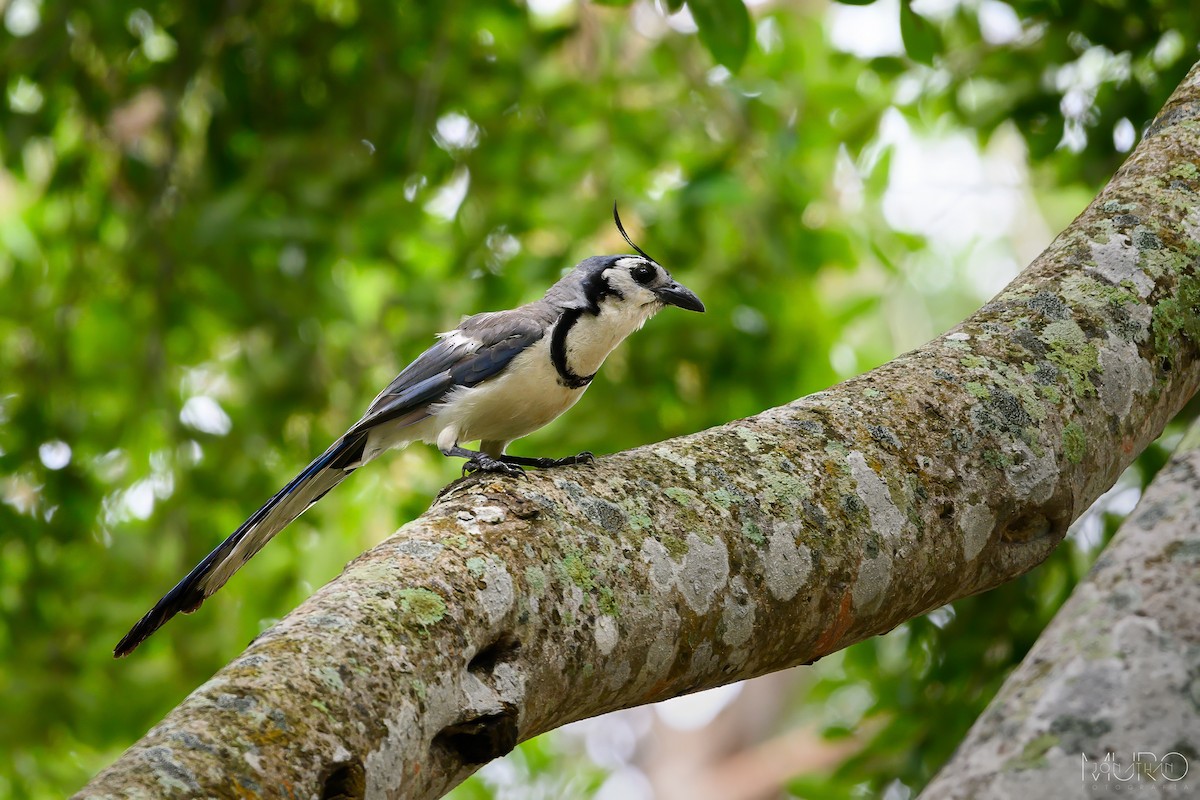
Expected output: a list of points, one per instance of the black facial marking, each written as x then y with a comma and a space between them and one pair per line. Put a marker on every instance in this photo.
558, 350
596, 288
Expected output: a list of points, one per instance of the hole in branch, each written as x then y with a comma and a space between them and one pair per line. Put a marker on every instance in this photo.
503, 650
1028, 527
479, 740
345, 781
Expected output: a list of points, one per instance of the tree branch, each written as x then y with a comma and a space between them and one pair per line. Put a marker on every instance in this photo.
512, 607
1113, 676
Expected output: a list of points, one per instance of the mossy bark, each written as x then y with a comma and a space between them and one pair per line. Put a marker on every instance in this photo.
1108, 701
514, 606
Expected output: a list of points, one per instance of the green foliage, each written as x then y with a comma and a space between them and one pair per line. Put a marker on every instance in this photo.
224, 227
1098, 67
921, 38
1095, 66
724, 27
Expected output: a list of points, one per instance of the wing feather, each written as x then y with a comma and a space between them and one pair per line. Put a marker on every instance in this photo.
478, 349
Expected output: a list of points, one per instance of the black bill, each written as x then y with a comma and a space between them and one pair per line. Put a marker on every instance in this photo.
675, 294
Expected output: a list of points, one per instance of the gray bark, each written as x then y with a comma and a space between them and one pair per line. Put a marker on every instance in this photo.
514, 606
1115, 675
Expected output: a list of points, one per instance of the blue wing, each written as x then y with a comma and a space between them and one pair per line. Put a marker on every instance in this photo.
482, 346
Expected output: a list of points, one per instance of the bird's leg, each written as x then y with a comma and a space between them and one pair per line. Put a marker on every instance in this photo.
481, 462
585, 457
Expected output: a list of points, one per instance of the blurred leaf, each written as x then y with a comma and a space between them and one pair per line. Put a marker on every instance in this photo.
724, 28
921, 37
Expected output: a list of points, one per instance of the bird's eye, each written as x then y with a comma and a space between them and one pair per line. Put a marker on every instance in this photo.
642, 273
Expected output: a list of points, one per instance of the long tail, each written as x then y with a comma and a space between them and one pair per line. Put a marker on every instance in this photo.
327, 471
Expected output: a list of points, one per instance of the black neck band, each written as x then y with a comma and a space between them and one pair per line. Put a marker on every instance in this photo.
558, 351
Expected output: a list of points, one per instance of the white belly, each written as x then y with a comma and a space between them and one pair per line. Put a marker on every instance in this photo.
525, 397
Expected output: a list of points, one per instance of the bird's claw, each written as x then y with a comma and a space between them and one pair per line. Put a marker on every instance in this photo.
479, 465
586, 457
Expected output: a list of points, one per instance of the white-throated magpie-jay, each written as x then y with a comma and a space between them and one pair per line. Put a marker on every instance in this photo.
496, 377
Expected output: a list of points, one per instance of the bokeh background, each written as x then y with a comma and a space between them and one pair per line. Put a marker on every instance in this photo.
224, 226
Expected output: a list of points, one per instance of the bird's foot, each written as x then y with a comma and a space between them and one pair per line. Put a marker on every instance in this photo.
586, 457
485, 463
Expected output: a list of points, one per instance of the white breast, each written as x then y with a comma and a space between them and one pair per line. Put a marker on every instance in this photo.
593, 337
524, 397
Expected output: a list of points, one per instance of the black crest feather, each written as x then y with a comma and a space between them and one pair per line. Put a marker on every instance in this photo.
621, 228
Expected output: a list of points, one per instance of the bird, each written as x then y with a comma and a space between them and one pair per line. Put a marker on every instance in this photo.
498, 376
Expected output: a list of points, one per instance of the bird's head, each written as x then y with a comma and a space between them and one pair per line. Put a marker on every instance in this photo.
634, 281
640, 281
643, 278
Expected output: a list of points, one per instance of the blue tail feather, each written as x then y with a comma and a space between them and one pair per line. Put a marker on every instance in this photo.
189, 593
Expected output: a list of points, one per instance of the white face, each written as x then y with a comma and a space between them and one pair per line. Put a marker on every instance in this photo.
636, 278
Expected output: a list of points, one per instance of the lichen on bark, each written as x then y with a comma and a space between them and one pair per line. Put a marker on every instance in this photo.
1105, 704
